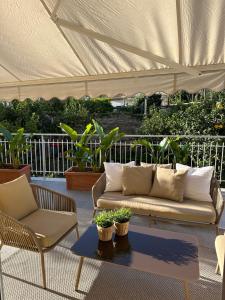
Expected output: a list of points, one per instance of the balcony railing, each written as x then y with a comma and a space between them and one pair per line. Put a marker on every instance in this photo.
46, 153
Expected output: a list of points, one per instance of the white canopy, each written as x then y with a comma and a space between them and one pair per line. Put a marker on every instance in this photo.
91, 47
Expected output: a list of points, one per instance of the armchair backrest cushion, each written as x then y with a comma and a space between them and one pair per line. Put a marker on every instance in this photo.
16, 198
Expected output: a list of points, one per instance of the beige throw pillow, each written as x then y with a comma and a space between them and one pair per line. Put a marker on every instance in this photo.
169, 184
155, 166
113, 172
16, 198
136, 180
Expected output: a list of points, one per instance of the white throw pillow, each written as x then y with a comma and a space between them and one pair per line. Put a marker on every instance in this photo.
197, 183
114, 172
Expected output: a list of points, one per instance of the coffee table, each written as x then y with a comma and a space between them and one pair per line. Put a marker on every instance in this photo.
155, 251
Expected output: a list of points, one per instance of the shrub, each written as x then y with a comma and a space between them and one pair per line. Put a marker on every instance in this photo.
104, 219
122, 215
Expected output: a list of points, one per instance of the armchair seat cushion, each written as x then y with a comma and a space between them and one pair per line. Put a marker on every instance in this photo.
188, 210
49, 226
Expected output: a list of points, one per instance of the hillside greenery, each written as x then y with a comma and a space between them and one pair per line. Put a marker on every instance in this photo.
201, 113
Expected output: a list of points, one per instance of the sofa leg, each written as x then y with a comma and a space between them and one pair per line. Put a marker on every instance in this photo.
217, 230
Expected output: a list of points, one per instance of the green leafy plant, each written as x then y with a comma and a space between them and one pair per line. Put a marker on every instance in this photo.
81, 152
106, 141
104, 219
17, 145
122, 215
169, 149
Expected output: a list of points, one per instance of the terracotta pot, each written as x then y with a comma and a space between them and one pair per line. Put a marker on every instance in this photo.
8, 174
81, 181
105, 234
121, 229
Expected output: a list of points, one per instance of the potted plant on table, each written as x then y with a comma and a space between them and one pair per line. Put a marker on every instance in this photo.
16, 145
121, 218
104, 222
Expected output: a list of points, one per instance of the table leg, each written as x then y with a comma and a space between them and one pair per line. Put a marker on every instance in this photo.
79, 272
2, 296
186, 291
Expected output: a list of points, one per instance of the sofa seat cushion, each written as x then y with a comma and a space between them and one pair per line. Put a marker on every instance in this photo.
49, 226
188, 210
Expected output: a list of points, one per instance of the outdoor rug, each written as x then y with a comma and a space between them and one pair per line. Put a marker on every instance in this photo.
102, 281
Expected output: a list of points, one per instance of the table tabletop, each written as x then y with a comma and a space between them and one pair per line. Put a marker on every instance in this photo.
146, 249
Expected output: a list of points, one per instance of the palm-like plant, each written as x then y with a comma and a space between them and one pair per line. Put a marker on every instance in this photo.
17, 145
81, 153
106, 141
168, 149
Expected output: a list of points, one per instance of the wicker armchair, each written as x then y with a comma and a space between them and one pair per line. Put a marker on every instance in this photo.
17, 234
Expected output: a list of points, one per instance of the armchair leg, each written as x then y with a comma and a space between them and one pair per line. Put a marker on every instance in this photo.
43, 270
77, 232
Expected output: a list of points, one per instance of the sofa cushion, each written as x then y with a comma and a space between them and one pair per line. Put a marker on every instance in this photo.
136, 180
155, 166
188, 210
197, 182
16, 198
49, 226
113, 172
169, 184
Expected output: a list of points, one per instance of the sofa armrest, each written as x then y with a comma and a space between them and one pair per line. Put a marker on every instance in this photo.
98, 189
217, 198
49, 199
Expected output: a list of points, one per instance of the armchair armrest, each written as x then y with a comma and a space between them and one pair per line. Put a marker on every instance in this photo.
217, 198
98, 189
14, 233
49, 199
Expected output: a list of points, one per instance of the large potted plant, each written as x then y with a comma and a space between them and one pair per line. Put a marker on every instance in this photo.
88, 162
106, 141
16, 145
80, 176
104, 222
169, 149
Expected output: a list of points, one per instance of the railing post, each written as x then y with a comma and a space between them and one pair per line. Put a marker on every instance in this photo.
43, 155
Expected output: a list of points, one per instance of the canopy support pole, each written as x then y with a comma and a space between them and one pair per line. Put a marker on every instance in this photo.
131, 74
179, 31
121, 45
63, 34
11, 73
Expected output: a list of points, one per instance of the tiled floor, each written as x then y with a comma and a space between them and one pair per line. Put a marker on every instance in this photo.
20, 286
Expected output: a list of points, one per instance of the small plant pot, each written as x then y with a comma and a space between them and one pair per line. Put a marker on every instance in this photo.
121, 229
105, 234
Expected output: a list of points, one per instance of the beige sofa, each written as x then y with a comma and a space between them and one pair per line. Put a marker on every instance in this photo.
186, 211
